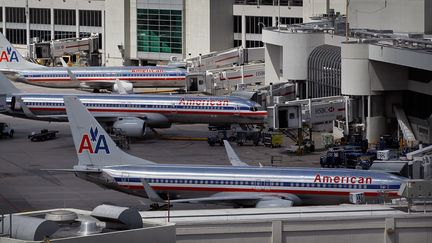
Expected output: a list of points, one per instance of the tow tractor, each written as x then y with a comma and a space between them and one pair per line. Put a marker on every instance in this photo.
43, 135
5, 130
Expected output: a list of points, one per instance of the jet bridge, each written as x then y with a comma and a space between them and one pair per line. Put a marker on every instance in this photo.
51, 50
227, 58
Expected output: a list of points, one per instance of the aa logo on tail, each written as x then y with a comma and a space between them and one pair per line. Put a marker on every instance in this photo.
9, 55
93, 143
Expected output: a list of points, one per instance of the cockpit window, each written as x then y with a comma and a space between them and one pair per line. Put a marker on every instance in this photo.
254, 108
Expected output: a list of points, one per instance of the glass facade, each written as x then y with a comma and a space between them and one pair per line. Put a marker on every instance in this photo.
159, 30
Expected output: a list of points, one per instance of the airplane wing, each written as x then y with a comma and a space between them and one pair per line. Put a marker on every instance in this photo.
251, 199
232, 156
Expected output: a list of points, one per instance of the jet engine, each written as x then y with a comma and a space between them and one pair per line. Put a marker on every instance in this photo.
274, 203
122, 86
131, 126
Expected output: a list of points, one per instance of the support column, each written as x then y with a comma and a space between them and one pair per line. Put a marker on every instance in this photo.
52, 23
103, 39
4, 19
27, 13
243, 30
277, 232
77, 34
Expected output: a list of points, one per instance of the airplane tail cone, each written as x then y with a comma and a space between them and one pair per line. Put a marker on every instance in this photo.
11, 59
93, 145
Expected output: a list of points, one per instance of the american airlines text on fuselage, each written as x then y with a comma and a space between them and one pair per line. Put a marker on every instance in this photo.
343, 179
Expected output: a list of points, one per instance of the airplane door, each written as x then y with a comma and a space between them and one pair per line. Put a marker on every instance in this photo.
262, 185
237, 110
174, 107
125, 179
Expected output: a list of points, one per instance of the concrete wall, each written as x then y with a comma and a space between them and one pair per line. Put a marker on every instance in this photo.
273, 63
222, 25
428, 17
387, 77
197, 27
355, 78
296, 48
268, 11
410, 228
115, 33
397, 15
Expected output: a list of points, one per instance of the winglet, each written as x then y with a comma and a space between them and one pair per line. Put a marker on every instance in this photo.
151, 194
232, 156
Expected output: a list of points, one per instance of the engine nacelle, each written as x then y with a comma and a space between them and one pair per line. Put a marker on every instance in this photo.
125, 86
274, 203
131, 126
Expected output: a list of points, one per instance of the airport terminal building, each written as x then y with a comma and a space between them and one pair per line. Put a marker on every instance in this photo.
385, 63
140, 32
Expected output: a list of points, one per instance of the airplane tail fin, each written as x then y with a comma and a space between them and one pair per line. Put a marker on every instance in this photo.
10, 58
93, 145
6, 86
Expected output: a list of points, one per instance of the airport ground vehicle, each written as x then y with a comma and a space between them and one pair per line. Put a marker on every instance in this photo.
348, 157
43, 135
243, 137
5, 130
272, 139
217, 138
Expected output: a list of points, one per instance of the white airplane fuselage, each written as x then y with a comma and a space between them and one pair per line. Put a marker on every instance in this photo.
311, 185
101, 77
156, 108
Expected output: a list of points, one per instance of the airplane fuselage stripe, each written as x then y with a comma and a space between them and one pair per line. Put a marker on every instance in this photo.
227, 189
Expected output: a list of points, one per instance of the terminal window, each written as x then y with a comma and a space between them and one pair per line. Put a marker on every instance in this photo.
15, 15
64, 17
16, 36
159, 30
40, 16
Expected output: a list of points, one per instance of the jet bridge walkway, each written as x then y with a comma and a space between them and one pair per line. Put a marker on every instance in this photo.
404, 125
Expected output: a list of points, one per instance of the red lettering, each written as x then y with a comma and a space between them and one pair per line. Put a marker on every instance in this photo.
219, 102
327, 179
4, 56
317, 178
336, 179
85, 144
212, 102
198, 102
360, 180
368, 180
182, 101
353, 180
225, 103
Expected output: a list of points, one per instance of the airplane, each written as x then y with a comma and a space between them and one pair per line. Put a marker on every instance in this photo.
133, 113
18, 69
101, 162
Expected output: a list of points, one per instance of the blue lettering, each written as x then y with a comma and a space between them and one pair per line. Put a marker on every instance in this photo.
102, 144
13, 57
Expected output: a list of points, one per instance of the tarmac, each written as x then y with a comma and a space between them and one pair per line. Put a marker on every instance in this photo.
25, 186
